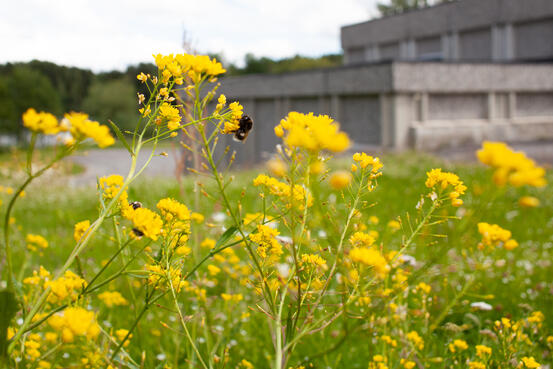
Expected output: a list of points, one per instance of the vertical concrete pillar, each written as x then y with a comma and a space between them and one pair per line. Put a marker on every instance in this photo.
454, 46
423, 107
403, 114
509, 42
492, 113
446, 46
512, 105
497, 42
386, 121
407, 49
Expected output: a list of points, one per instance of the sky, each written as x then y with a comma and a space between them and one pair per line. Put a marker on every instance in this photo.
105, 35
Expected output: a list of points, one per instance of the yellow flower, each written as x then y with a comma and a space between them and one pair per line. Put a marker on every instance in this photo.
340, 179
197, 217
476, 365
168, 114
394, 225
268, 247
370, 257
35, 242
112, 299
407, 364
495, 236
147, 222
415, 339
425, 288
75, 321
296, 194
110, 185
277, 167
41, 122
511, 166
230, 297
66, 286
213, 270
208, 243
81, 127
529, 202
483, 351
313, 133
530, 362
172, 209
361, 239
458, 346
80, 229
446, 181
313, 260
232, 122
246, 364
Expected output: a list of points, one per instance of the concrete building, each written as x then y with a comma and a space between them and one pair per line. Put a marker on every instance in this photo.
397, 103
463, 30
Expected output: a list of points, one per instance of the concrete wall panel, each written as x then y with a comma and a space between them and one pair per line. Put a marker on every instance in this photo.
457, 106
360, 118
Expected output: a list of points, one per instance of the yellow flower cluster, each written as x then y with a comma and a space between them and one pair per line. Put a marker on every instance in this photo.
311, 132
158, 275
233, 122
41, 122
442, 181
66, 286
284, 191
415, 339
364, 160
313, 260
362, 239
458, 346
268, 247
180, 65
111, 299
530, 362
35, 242
81, 127
110, 185
495, 236
146, 222
168, 114
370, 257
483, 351
340, 179
75, 321
232, 297
80, 229
32, 344
173, 210
511, 166
77, 124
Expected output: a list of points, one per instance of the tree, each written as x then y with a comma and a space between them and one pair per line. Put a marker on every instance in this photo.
22, 88
392, 7
114, 100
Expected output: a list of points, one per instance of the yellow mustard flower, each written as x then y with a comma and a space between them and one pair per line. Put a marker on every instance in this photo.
41, 122
111, 299
80, 229
81, 127
35, 242
312, 132
340, 179
147, 222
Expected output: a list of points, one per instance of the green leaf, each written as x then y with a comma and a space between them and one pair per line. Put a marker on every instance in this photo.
120, 136
8, 309
225, 237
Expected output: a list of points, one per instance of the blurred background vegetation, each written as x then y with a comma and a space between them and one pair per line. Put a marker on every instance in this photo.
106, 95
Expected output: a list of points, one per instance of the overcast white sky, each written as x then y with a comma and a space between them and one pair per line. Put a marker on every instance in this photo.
109, 34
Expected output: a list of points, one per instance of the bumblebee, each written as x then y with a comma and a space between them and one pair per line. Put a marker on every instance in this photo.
135, 205
245, 125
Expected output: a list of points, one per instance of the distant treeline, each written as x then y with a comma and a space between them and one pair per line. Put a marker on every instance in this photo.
108, 95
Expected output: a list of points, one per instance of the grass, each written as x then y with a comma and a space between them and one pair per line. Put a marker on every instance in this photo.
519, 280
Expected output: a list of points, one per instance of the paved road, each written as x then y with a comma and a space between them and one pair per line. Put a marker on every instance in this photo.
99, 163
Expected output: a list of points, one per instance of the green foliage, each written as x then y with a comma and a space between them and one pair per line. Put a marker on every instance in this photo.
21, 88
113, 99
391, 7
263, 64
8, 309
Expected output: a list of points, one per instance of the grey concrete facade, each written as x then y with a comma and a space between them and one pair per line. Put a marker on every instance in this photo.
403, 105
462, 30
